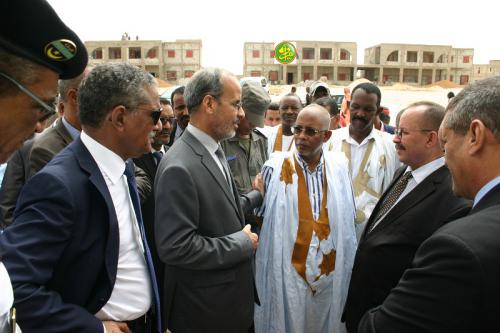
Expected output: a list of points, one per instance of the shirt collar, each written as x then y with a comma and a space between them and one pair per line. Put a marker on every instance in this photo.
485, 189
107, 160
162, 149
365, 141
425, 170
304, 163
73, 132
206, 140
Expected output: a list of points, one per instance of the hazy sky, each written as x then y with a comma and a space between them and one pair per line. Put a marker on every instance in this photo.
223, 26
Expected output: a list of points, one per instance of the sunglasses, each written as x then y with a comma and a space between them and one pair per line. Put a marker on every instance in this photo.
164, 120
47, 109
309, 131
155, 114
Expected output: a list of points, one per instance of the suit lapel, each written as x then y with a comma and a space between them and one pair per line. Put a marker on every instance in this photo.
419, 193
374, 213
88, 164
209, 163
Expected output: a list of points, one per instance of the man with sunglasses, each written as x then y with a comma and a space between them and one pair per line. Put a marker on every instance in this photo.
418, 202
307, 241
77, 251
371, 154
36, 48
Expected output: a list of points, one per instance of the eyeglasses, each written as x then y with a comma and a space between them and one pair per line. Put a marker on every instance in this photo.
47, 109
235, 105
401, 131
164, 120
309, 131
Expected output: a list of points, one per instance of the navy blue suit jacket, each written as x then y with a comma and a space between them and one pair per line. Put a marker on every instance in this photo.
62, 250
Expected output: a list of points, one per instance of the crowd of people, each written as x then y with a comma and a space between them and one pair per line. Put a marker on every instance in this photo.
217, 210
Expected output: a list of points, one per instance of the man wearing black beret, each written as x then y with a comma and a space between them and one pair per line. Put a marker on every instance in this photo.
36, 49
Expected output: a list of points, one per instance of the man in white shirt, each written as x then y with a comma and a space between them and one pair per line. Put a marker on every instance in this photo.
400, 223
371, 154
77, 252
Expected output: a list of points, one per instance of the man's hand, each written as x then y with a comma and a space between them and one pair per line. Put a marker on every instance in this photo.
258, 184
253, 237
115, 327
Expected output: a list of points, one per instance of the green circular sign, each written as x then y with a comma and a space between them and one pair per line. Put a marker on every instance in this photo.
285, 53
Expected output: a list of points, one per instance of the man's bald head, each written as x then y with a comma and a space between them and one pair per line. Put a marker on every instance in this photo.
318, 112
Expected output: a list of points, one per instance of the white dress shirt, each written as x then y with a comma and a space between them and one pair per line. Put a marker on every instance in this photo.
132, 293
208, 142
358, 151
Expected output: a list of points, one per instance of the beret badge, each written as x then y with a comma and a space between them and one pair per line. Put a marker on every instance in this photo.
60, 50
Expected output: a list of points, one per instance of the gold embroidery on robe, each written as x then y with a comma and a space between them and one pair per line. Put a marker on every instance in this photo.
307, 225
287, 171
278, 143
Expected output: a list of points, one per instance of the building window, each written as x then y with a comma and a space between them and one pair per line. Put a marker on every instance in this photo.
151, 53
466, 59
342, 76
171, 76
273, 75
345, 55
255, 73
464, 79
188, 74
171, 53
115, 53
442, 59
189, 53
394, 56
325, 54
307, 76
411, 56
134, 53
428, 57
307, 53
255, 54
272, 54
452, 59
97, 54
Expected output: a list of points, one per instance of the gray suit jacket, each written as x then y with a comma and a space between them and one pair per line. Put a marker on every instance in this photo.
209, 283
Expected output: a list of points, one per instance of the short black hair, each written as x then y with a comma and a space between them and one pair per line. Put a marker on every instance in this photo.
370, 88
178, 91
328, 101
451, 94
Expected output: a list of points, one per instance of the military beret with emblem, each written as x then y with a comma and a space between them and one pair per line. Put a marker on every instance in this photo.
32, 29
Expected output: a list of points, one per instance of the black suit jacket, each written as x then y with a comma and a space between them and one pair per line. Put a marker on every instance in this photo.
148, 164
388, 250
61, 252
452, 286
209, 283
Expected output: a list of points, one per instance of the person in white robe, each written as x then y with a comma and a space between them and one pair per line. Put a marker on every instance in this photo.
371, 153
307, 241
280, 138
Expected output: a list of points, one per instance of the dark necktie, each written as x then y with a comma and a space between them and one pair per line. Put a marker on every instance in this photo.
222, 159
393, 196
158, 155
132, 187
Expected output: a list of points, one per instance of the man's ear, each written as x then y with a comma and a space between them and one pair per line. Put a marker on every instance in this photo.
379, 110
476, 136
209, 102
72, 95
118, 116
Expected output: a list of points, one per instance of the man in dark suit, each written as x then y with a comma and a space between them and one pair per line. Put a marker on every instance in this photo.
76, 252
181, 114
452, 285
399, 225
149, 163
199, 223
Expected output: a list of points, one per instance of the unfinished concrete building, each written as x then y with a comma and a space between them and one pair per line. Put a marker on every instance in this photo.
336, 61
169, 61
417, 64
